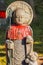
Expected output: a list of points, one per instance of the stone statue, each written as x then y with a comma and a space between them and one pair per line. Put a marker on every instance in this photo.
19, 36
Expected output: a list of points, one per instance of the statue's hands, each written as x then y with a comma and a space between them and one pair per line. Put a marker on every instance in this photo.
29, 39
34, 56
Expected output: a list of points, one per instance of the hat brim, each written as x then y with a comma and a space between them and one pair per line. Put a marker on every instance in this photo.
19, 4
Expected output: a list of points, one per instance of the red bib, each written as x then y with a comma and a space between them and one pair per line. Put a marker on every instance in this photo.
18, 32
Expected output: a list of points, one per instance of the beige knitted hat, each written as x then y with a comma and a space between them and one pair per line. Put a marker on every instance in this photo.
20, 4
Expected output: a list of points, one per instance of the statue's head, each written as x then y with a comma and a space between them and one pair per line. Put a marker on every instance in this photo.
22, 12
20, 16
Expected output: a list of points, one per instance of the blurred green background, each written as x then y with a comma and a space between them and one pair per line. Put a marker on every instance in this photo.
37, 24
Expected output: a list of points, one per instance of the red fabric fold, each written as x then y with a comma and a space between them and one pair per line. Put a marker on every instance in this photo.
18, 32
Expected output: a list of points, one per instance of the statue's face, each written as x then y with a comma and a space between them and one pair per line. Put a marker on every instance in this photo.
21, 16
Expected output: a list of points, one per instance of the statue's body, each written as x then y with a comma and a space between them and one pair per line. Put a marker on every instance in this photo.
19, 39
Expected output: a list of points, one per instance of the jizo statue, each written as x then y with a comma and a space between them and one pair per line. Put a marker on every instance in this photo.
19, 36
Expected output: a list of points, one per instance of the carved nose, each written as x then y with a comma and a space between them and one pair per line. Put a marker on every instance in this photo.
19, 19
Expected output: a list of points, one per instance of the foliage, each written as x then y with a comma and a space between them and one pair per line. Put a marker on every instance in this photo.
2, 55
7, 2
